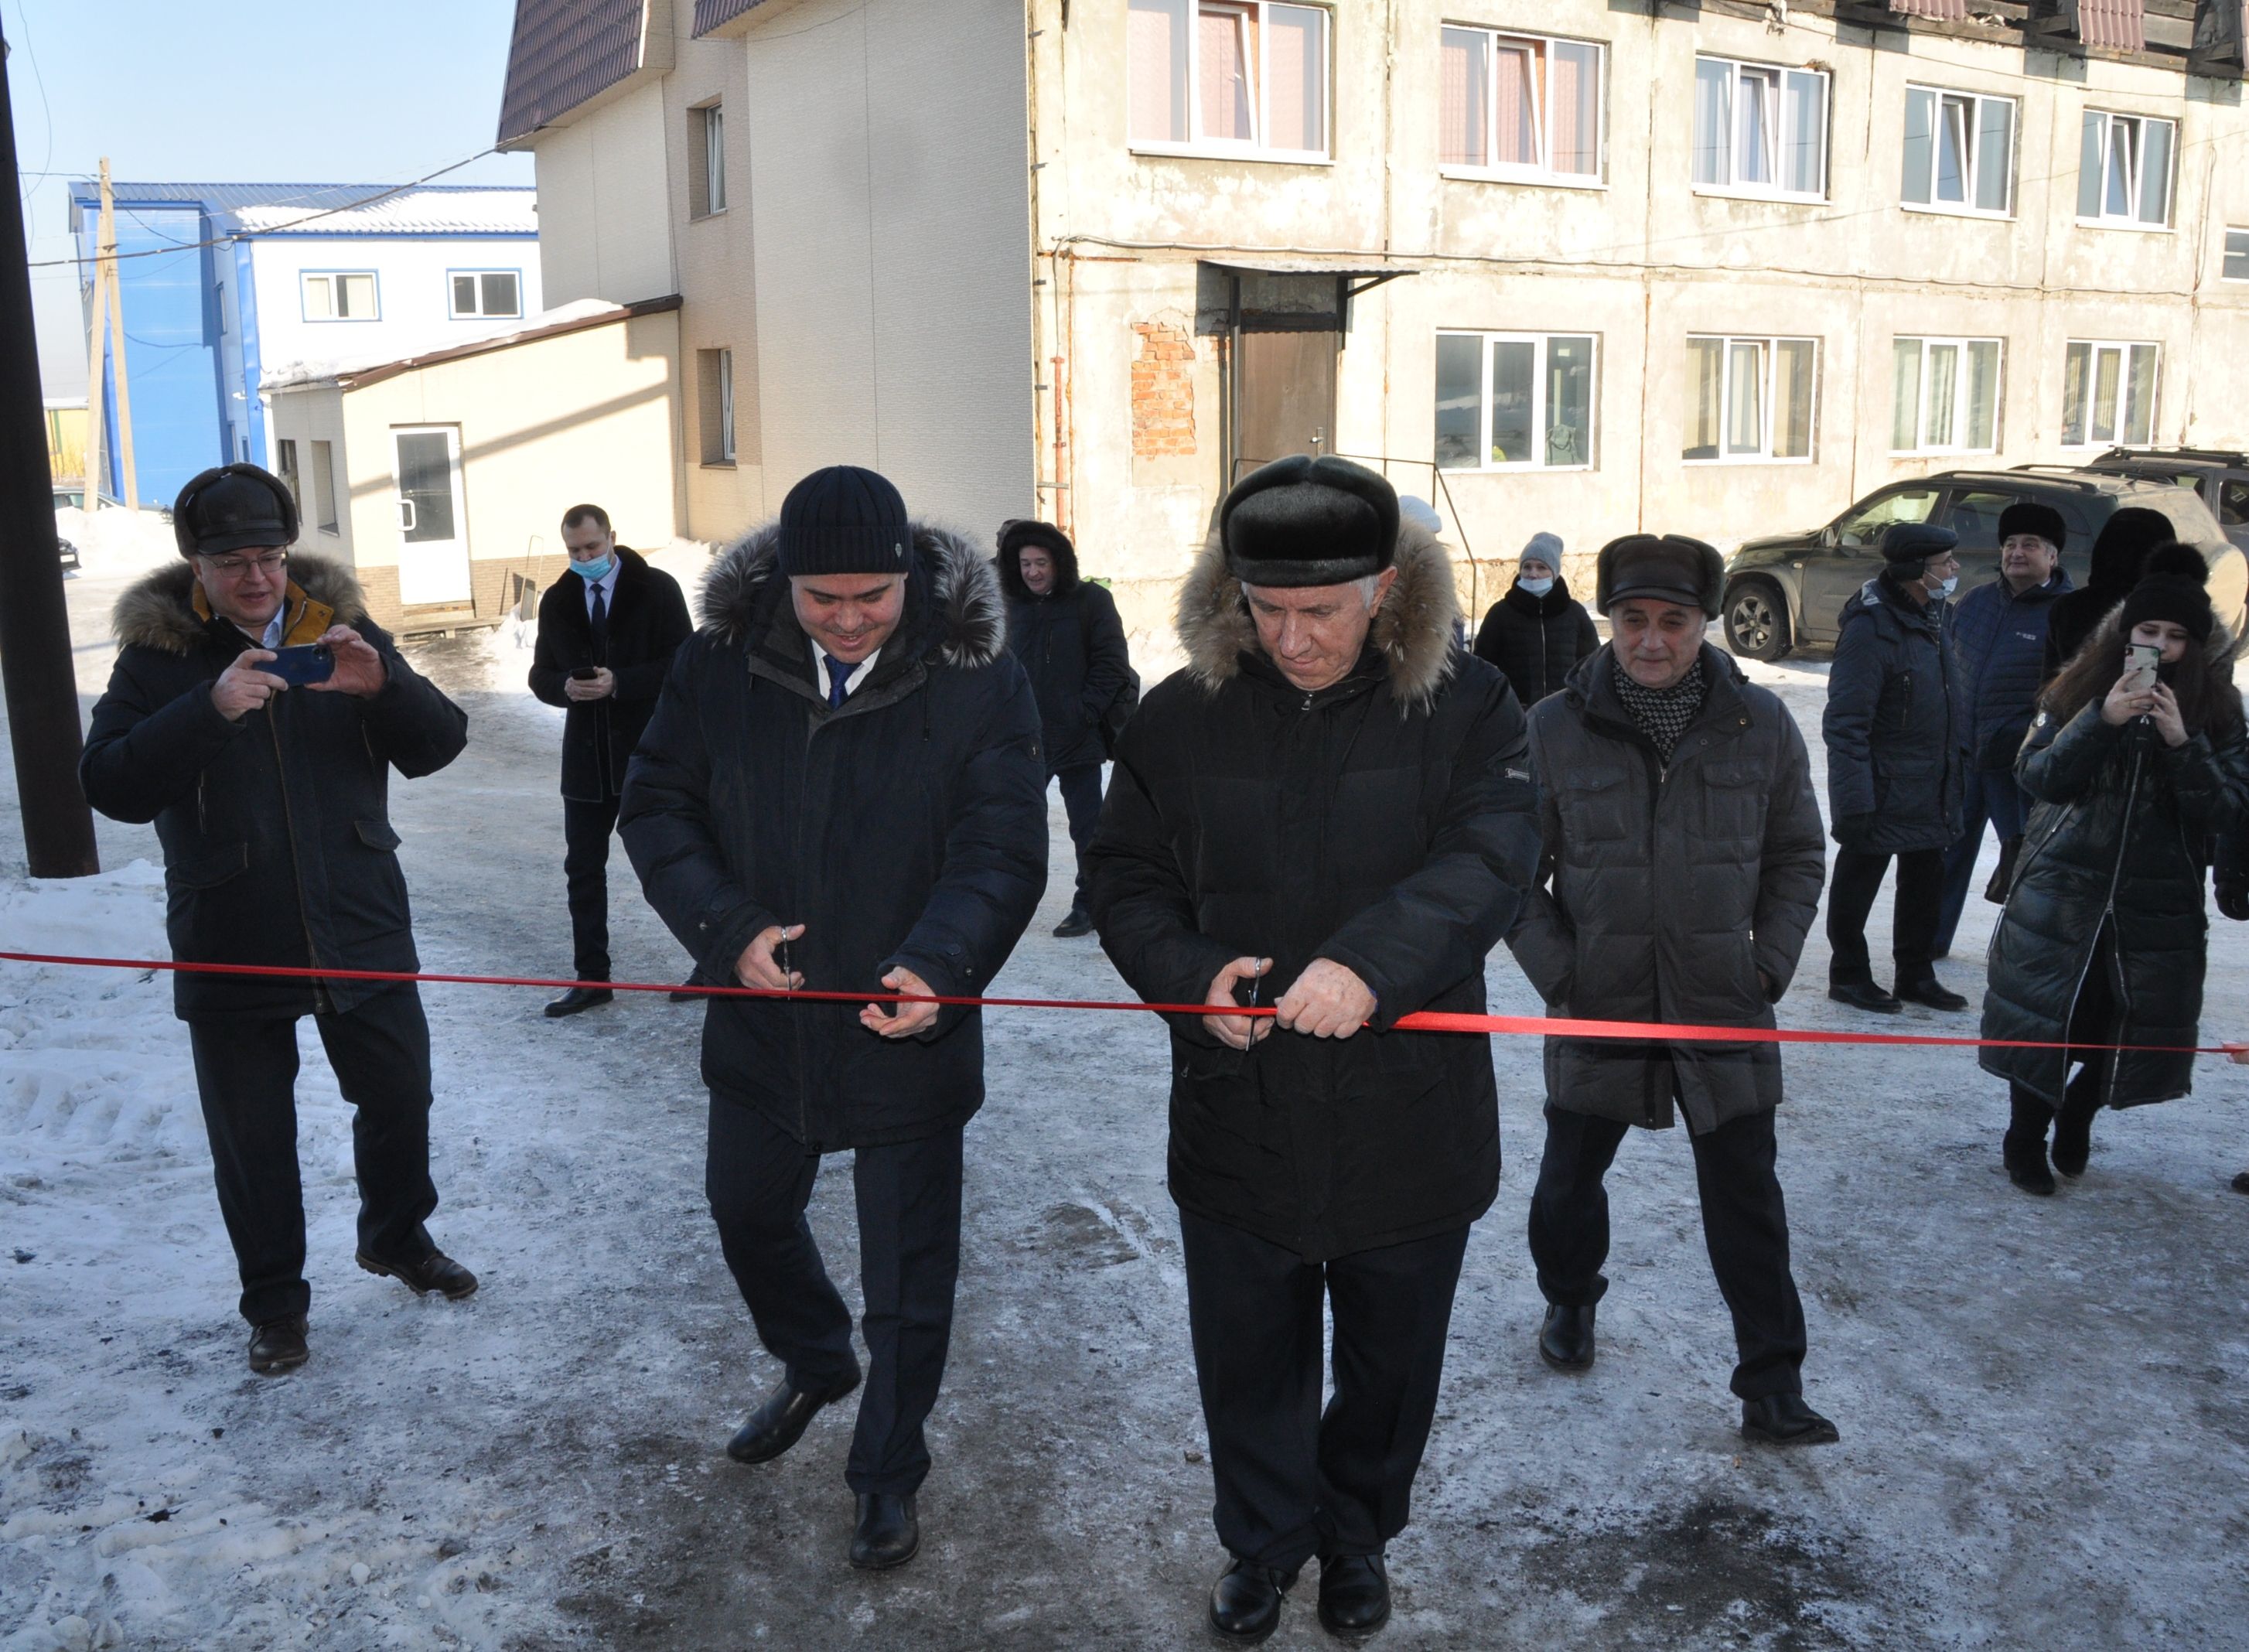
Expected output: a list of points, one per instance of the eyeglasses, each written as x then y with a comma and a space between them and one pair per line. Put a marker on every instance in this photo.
233, 567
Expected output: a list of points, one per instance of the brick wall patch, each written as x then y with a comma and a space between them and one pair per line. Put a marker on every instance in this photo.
1163, 393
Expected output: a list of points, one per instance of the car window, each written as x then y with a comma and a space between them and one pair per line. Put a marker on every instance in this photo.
1975, 517
2233, 503
1862, 528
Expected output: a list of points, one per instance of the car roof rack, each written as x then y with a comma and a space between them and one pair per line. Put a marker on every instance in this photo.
2067, 478
2215, 455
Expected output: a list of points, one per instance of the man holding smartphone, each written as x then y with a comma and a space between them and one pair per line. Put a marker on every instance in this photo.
607, 631
271, 804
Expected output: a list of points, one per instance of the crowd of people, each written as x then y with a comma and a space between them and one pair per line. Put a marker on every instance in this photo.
835, 779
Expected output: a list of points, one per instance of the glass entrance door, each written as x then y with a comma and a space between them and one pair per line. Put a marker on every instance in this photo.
433, 557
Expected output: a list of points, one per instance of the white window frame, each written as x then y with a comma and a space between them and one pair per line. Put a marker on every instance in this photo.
1973, 146
1543, 172
1764, 454
1255, 149
2227, 253
480, 313
2121, 426
1744, 68
2109, 120
1539, 373
332, 280
1961, 409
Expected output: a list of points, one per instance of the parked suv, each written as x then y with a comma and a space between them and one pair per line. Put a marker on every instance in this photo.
1790, 589
2219, 476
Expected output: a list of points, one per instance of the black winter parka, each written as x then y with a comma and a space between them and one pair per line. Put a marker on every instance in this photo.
648, 621
276, 827
1384, 822
1895, 725
2117, 839
1071, 643
1536, 641
907, 826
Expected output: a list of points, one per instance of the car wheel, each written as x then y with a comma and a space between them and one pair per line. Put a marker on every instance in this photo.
1756, 621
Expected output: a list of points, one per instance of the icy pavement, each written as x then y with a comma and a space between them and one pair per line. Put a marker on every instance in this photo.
2045, 1415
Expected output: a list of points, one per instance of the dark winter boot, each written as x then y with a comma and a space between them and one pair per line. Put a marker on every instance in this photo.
1245, 1602
2241, 1182
886, 1534
1565, 1338
1783, 1419
277, 1345
2002, 875
1354, 1594
1079, 922
2073, 1126
2024, 1147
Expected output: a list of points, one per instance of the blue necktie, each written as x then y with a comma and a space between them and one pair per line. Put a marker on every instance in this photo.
839, 678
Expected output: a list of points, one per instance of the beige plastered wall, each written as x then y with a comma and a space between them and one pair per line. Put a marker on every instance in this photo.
587, 416
1642, 262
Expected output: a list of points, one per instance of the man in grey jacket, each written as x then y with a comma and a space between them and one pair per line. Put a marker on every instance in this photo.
1682, 866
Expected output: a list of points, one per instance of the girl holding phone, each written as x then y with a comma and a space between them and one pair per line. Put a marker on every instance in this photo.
2136, 762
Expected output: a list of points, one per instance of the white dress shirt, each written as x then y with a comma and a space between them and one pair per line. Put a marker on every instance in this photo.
851, 683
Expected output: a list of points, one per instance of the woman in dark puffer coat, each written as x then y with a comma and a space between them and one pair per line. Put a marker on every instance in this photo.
2103, 941
1537, 632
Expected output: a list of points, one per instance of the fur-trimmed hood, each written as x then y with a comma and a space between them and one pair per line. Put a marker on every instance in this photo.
951, 576
1414, 629
161, 610
1009, 561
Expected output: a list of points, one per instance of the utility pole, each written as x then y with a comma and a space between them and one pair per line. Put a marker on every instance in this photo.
97, 417
107, 270
36, 671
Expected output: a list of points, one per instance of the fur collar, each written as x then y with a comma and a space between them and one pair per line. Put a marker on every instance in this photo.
159, 610
1413, 630
971, 624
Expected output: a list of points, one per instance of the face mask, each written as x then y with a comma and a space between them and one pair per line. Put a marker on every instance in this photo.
1948, 587
1537, 588
591, 571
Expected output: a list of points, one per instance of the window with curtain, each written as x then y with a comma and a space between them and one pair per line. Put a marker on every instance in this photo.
1750, 399
341, 295
1760, 129
1959, 152
2108, 393
1515, 400
1523, 106
2125, 170
1945, 395
1226, 75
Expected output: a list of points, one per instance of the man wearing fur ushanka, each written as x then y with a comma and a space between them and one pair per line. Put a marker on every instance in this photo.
1330, 811
842, 789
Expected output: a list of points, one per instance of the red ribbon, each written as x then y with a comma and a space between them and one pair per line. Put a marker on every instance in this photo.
1420, 1021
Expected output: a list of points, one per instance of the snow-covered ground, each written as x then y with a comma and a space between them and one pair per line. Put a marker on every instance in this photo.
2044, 1405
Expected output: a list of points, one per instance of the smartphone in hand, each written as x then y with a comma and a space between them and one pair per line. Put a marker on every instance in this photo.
2139, 661
311, 663
585, 673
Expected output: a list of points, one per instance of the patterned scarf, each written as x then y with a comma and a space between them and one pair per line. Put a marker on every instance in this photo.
1661, 713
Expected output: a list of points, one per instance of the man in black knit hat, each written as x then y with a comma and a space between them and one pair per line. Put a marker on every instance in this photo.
1681, 872
1330, 805
842, 789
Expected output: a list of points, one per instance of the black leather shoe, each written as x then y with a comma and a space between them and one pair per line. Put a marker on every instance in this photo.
1783, 1419
576, 1000
1931, 991
779, 1423
1080, 922
1245, 1602
887, 1533
1862, 995
679, 995
277, 1345
436, 1271
1354, 1594
2241, 1182
1565, 1338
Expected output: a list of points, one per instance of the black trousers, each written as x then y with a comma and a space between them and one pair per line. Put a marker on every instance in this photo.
1081, 800
585, 830
1744, 1226
758, 1179
247, 1075
1914, 919
1294, 1480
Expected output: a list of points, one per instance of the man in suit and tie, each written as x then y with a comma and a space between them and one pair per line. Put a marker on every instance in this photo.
607, 631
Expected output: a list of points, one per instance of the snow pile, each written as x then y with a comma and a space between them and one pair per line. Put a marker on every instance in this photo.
114, 540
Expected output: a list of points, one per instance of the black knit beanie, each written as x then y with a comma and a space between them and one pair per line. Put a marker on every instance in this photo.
2170, 587
844, 521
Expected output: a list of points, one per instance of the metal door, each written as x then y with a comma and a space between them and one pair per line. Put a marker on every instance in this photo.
433, 555
1284, 395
